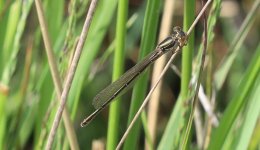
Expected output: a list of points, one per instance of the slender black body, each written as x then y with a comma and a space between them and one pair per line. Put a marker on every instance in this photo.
103, 98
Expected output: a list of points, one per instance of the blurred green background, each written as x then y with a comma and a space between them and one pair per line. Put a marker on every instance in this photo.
121, 33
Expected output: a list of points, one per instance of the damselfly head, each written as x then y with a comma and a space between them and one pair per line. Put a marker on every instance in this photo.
180, 35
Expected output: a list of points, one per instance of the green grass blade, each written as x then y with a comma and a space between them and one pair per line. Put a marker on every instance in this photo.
104, 13
251, 116
171, 136
148, 136
3, 26
118, 67
237, 102
255, 139
54, 20
187, 55
27, 122
147, 44
221, 74
187, 51
3, 116
16, 21
8, 54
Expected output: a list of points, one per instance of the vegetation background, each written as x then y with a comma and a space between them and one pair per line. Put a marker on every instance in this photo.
121, 33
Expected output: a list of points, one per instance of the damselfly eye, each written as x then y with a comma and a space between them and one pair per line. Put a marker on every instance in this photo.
180, 35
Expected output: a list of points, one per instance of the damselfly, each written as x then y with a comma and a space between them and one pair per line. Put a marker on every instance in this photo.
103, 98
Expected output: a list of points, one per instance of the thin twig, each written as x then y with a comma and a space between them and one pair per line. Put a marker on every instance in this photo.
198, 17
195, 99
72, 138
71, 73
159, 79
